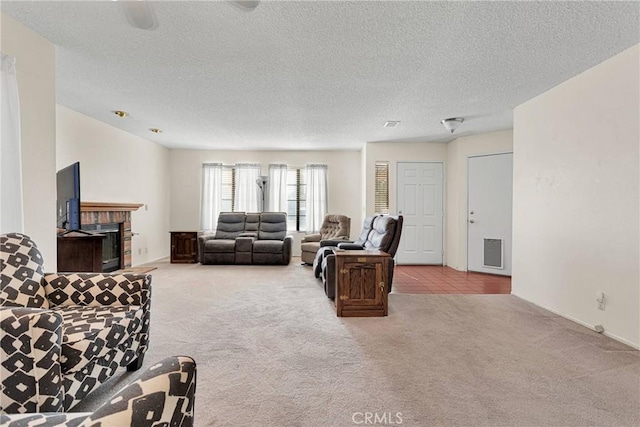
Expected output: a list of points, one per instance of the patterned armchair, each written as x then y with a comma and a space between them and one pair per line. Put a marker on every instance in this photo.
64, 334
162, 396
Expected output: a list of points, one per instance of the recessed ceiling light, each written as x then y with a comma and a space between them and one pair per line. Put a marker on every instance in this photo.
120, 113
154, 130
391, 124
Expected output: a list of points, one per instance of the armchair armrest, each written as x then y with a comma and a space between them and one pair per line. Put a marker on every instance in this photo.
97, 289
315, 237
103, 289
30, 357
333, 242
174, 378
350, 246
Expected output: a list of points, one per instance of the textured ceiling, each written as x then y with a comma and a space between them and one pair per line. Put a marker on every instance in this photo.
310, 75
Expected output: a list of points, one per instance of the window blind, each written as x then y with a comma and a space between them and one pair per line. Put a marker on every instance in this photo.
382, 188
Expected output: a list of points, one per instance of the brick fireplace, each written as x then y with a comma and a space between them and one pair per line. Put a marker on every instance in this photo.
101, 213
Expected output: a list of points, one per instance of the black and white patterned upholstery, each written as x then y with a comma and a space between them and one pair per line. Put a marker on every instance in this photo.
162, 396
84, 328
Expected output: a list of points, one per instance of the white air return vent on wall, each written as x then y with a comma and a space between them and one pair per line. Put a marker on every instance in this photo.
391, 124
493, 253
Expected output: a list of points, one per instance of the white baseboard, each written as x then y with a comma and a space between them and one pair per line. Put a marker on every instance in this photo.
580, 322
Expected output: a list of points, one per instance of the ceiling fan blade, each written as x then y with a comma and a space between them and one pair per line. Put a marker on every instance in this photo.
246, 5
140, 14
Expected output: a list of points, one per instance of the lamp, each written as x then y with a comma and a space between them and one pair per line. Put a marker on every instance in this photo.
262, 184
452, 123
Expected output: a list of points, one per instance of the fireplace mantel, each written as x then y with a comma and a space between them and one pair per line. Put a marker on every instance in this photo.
109, 207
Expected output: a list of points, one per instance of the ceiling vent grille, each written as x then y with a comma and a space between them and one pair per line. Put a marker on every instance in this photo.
391, 124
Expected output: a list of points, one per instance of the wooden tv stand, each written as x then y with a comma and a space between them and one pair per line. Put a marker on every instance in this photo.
80, 252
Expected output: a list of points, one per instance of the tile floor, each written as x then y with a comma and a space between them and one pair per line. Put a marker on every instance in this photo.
436, 279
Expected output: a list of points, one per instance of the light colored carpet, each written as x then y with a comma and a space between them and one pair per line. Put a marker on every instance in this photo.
136, 270
271, 352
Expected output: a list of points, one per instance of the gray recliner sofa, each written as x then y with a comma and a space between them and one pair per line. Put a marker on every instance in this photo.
247, 238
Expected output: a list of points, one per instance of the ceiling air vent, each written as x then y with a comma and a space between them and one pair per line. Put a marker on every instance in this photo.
391, 124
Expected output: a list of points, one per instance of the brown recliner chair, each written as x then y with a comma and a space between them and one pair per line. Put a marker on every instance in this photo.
384, 235
334, 227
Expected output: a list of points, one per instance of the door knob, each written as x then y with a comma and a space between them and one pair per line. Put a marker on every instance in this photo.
471, 221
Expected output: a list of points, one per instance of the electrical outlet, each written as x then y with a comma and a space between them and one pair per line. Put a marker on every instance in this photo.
139, 251
146, 251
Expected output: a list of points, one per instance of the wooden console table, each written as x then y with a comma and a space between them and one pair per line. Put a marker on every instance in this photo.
361, 288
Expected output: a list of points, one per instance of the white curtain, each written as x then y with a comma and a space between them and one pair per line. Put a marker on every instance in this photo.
316, 196
211, 199
11, 217
277, 200
248, 194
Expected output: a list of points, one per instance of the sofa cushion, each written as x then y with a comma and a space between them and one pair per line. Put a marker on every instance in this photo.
21, 273
268, 246
220, 245
230, 225
273, 226
252, 222
91, 332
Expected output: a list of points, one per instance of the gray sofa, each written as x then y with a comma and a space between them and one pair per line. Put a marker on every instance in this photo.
247, 238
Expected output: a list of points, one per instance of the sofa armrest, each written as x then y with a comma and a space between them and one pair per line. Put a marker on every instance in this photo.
287, 245
316, 237
249, 234
30, 357
202, 239
137, 404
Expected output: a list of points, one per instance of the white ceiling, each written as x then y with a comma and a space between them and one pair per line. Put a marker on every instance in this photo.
312, 75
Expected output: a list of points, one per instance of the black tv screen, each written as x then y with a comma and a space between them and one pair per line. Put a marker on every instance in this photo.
68, 200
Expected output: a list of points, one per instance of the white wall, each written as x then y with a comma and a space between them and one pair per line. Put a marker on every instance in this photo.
116, 166
576, 197
35, 71
344, 188
395, 152
458, 153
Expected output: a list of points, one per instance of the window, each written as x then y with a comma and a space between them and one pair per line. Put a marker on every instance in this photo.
296, 200
382, 188
228, 189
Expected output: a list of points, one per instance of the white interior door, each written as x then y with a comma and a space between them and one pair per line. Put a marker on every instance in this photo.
420, 201
489, 214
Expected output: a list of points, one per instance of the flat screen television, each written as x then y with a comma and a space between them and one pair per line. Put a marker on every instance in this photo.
68, 199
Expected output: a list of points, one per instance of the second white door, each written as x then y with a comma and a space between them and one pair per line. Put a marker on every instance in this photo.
420, 202
489, 215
